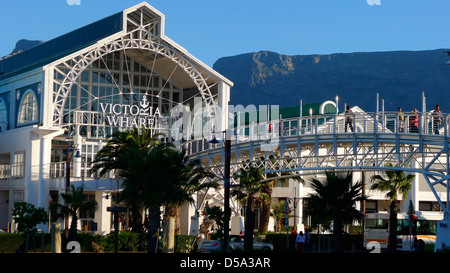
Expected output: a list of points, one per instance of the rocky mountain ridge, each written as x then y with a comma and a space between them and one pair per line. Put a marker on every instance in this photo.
399, 77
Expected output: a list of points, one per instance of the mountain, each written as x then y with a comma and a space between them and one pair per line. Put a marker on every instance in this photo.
400, 77
25, 44
22, 45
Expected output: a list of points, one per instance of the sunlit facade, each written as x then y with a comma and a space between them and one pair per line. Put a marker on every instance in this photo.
72, 92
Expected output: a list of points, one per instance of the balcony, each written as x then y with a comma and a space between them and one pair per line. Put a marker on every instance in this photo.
12, 176
77, 170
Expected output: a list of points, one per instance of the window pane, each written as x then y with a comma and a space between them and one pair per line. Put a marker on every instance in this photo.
28, 108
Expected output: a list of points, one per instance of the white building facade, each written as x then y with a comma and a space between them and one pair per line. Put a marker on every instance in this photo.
60, 100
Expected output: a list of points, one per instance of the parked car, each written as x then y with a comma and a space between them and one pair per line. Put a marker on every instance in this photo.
236, 244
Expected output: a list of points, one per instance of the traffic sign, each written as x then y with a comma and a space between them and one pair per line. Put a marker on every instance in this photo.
116, 209
286, 209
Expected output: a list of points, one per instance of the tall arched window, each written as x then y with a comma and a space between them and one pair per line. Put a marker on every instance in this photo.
3, 111
3, 115
28, 109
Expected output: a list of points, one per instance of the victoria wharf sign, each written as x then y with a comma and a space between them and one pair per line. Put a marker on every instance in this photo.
130, 116
122, 115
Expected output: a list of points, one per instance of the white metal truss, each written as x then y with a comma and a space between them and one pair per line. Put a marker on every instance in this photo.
142, 33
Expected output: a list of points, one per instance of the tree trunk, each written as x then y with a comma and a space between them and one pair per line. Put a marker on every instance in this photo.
136, 224
249, 226
337, 236
170, 227
153, 228
265, 217
73, 232
392, 245
177, 221
265, 208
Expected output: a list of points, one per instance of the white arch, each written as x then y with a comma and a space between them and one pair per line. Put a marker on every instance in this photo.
325, 103
145, 40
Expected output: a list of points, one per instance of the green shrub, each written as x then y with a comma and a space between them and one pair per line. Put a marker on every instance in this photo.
185, 243
16, 242
127, 241
11, 242
85, 240
278, 240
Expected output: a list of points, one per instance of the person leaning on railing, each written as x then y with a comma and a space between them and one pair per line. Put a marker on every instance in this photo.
437, 120
401, 120
414, 122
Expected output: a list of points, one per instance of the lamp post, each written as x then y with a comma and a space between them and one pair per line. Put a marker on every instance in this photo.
226, 186
69, 151
66, 219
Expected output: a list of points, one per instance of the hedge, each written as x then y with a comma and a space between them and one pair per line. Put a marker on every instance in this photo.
134, 242
14, 242
279, 242
127, 242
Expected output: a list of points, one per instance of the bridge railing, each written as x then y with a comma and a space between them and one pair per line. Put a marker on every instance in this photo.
357, 122
361, 123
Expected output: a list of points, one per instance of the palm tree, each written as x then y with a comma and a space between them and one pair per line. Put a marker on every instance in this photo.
268, 189
154, 174
121, 154
249, 191
395, 183
335, 200
187, 176
171, 178
277, 213
74, 203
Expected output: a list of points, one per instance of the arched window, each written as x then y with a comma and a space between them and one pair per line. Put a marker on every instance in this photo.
328, 107
28, 109
3, 111
3, 116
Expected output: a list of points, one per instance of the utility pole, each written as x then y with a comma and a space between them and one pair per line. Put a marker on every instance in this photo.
363, 204
226, 181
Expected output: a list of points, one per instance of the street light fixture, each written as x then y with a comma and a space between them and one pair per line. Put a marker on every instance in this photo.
69, 152
226, 185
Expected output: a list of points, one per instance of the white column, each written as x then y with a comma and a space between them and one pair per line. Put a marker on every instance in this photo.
224, 98
32, 170
190, 224
299, 209
237, 224
102, 216
414, 191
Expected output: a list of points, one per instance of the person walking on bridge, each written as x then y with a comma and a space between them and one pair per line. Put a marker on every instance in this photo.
348, 118
437, 119
401, 120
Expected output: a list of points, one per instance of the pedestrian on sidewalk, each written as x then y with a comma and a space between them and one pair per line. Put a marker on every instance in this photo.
300, 242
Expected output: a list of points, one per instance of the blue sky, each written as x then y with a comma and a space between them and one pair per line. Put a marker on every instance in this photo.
211, 29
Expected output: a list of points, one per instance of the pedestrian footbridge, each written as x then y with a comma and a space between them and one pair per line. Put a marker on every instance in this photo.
313, 144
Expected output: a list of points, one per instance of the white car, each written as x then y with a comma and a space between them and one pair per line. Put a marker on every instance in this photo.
236, 245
